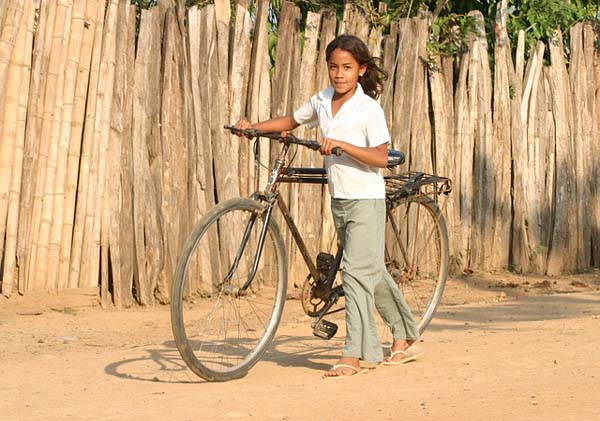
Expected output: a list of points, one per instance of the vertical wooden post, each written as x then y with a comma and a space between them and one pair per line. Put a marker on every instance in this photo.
307, 197
390, 52
405, 89
328, 25
464, 153
283, 77
238, 80
483, 161
581, 137
173, 172
146, 111
592, 56
117, 218
564, 243
500, 196
259, 92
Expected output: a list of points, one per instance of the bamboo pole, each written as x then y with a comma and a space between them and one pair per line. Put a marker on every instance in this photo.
32, 146
83, 196
64, 140
44, 194
96, 237
13, 12
16, 106
8, 37
3, 8
75, 146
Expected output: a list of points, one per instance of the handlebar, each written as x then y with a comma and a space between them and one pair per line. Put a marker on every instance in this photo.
284, 137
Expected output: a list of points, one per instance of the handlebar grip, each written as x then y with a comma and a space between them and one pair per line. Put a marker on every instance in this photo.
337, 151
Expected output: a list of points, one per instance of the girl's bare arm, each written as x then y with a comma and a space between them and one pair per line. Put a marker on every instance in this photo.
277, 124
373, 156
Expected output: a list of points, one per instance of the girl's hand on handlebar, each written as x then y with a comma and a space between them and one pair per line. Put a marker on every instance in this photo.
327, 146
242, 125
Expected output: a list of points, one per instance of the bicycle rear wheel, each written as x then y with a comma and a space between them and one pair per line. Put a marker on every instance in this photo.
416, 254
220, 327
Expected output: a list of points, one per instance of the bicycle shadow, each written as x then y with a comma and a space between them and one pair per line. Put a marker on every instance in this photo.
164, 365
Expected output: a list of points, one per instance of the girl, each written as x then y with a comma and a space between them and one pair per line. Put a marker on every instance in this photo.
349, 117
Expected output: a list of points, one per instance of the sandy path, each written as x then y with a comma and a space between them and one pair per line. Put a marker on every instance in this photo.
530, 358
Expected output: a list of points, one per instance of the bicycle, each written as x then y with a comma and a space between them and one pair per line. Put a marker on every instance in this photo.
233, 265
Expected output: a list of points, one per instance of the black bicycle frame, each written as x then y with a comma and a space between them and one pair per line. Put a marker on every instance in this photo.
280, 174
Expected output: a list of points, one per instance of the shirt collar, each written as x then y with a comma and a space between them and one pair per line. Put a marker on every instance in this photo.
358, 97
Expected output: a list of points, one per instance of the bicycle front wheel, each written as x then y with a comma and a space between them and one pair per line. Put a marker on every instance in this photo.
229, 290
416, 254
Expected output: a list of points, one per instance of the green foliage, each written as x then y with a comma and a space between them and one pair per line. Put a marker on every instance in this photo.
540, 19
449, 34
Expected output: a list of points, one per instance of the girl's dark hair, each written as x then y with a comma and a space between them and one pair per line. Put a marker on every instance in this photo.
372, 80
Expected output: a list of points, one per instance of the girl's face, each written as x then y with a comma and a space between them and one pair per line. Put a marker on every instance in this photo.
344, 71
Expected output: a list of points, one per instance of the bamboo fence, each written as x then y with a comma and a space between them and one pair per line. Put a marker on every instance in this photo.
112, 144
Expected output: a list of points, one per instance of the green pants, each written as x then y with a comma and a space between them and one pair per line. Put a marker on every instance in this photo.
360, 226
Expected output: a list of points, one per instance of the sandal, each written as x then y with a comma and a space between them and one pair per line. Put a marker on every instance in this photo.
357, 371
409, 354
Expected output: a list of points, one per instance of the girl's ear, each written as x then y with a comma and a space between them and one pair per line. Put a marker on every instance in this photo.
362, 69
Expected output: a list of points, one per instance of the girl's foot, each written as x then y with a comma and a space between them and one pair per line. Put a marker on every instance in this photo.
345, 367
397, 347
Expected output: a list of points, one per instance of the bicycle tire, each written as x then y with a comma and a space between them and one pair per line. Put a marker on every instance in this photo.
417, 254
217, 351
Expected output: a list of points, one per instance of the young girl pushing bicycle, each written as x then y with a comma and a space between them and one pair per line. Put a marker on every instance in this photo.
349, 118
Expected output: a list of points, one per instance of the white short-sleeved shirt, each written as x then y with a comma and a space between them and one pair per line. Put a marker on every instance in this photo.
361, 122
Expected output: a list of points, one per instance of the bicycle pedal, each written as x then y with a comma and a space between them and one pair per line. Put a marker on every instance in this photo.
325, 329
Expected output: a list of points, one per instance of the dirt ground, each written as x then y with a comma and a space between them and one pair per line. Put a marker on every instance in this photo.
500, 347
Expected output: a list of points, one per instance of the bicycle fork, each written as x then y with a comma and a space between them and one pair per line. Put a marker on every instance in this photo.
261, 241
